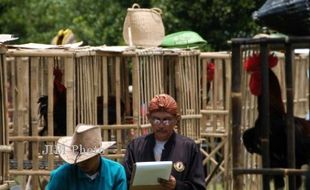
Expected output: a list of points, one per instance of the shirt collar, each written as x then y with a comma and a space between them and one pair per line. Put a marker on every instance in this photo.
169, 142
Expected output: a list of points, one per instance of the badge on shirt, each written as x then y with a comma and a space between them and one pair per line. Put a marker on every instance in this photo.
179, 166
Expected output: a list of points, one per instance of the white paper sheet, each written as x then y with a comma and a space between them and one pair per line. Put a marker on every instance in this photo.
7, 37
46, 46
147, 173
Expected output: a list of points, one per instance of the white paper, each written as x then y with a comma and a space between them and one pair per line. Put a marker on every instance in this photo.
46, 46
34, 46
7, 37
147, 173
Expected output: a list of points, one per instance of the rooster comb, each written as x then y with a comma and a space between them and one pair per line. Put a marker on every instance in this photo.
252, 65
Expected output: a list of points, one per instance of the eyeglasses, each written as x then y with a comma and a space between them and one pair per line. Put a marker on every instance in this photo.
165, 122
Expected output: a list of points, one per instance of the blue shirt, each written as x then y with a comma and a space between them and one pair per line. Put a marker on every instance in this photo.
69, 177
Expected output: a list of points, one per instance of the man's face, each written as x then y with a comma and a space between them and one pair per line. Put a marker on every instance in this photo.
163, 124
90, 166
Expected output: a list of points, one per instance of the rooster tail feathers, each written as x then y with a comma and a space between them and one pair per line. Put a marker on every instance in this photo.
43, 106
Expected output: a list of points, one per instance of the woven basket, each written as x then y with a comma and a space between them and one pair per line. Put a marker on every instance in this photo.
290, 17
143, 27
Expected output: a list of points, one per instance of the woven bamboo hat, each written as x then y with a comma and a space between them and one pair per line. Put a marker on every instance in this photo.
85, 143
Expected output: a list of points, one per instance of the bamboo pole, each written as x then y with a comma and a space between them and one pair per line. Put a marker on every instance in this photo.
34, 96
2, 116
96, 75
227, 106
290, 112
216, 55
19, 119
4, 186
236, 113
50, 110
30, 172
178, 89
4, 148
197, 91
265, 112
271, 171
34, 138
191, 116
118, 102
136, 90
78, 90
38, 53
105, 88
69, 78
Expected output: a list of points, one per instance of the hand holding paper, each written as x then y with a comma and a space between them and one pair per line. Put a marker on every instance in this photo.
147, 173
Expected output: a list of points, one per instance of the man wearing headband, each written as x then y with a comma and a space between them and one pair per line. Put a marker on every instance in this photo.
85, 168
165, 145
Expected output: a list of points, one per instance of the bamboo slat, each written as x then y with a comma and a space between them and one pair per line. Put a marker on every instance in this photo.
4, 143
34, 96
30, 172
38, 53
6, 148
105, 94
136, 90
69, 78
4, 186
33, 138
50, 110
118, 103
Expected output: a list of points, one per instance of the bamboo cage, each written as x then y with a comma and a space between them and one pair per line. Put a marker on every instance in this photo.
105, 86
248, 168
215, 131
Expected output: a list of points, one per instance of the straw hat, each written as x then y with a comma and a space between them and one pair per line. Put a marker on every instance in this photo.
85, 143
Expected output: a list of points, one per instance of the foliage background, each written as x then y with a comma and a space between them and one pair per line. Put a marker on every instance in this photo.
98, 22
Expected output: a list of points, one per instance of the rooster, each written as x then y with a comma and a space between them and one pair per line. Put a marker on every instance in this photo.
278, 126
210, 76
60, 106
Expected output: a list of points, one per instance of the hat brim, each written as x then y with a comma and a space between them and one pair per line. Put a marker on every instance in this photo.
65, 151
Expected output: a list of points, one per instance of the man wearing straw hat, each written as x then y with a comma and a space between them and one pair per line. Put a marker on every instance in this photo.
165, 145
85, 168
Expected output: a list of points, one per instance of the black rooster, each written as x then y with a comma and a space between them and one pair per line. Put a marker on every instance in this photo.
278, 126
60, 106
